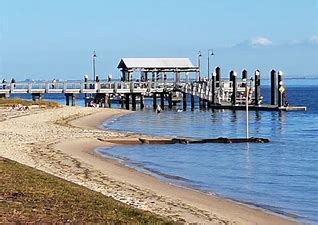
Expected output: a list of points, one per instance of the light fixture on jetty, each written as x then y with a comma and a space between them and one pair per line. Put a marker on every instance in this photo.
94, 65
210, 52
199, 64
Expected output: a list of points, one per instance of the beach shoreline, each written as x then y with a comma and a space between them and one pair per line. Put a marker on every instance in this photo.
150, 179
81, 164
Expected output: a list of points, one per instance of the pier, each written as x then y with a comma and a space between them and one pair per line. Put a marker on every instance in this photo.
161, 80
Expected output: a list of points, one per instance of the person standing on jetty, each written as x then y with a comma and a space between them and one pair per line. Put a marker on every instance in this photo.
4, 83
13, 82
53, 83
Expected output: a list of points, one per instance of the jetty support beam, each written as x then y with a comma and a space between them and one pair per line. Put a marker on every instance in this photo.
127, 101
36, 96
154, 100
184, 101
133, 102
73, 99
142, 104
170, 100
162, 100
192, 102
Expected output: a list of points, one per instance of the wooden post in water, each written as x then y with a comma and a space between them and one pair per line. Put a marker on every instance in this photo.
162, 100
257, 81
273, 87
213, 88
67, 99
127, 101
218, 76
142, 104
233, 75
247, 90
244, 74
170, 100
184, 101
280, 84
73, 99
192, 102
133, 102
154, 100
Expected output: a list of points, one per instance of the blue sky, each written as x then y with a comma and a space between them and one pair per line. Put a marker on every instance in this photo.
46, 39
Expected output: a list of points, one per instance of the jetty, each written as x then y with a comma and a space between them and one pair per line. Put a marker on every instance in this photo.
164, 80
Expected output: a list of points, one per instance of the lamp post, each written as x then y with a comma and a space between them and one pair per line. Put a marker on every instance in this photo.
199, 64
210, 52
94, 69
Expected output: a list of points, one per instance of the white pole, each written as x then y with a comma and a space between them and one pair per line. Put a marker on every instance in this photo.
246, 104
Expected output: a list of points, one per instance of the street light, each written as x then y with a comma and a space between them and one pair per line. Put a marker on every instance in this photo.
210, 52
94, 69
199, 64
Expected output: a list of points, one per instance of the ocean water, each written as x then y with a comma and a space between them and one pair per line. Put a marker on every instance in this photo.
280, 176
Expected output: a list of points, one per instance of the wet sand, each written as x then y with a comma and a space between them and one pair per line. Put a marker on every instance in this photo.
62, 142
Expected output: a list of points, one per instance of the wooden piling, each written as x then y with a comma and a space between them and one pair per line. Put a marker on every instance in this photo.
213, 88
233, 75
154, 100
170, 100
36, 96
67, 99
73, 99
133, 102
257, 80
244, 74
273, 87
192, 102
127, 101
142, 104
162, 100
184, 101
218, 76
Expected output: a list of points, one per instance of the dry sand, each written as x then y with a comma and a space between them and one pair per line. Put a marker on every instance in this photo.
62, 142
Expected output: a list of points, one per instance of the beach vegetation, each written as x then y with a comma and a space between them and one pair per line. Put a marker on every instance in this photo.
10, 102
28, 195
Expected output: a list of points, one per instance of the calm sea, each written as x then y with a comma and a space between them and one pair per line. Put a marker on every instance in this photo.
281, 176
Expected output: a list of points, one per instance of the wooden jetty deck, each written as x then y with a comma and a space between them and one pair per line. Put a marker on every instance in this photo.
130, 90
211, 93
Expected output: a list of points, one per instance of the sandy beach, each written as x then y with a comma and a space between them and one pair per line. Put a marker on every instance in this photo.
62, 142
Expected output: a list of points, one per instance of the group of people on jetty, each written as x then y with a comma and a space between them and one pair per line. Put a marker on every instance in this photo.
4, 83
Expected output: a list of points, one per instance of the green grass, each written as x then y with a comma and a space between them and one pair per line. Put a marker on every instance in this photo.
30, 195
8, 102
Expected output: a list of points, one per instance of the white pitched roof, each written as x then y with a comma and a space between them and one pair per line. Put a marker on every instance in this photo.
155, 63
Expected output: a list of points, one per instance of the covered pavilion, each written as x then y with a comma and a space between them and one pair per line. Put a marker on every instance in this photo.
157, 69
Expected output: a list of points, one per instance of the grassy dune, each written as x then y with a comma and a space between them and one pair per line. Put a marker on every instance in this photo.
29, 195
8, 102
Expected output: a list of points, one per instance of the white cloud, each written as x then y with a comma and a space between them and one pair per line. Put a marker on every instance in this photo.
314, 39
261, 41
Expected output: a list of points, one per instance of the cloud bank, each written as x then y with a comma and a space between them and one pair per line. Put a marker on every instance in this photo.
261, 41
